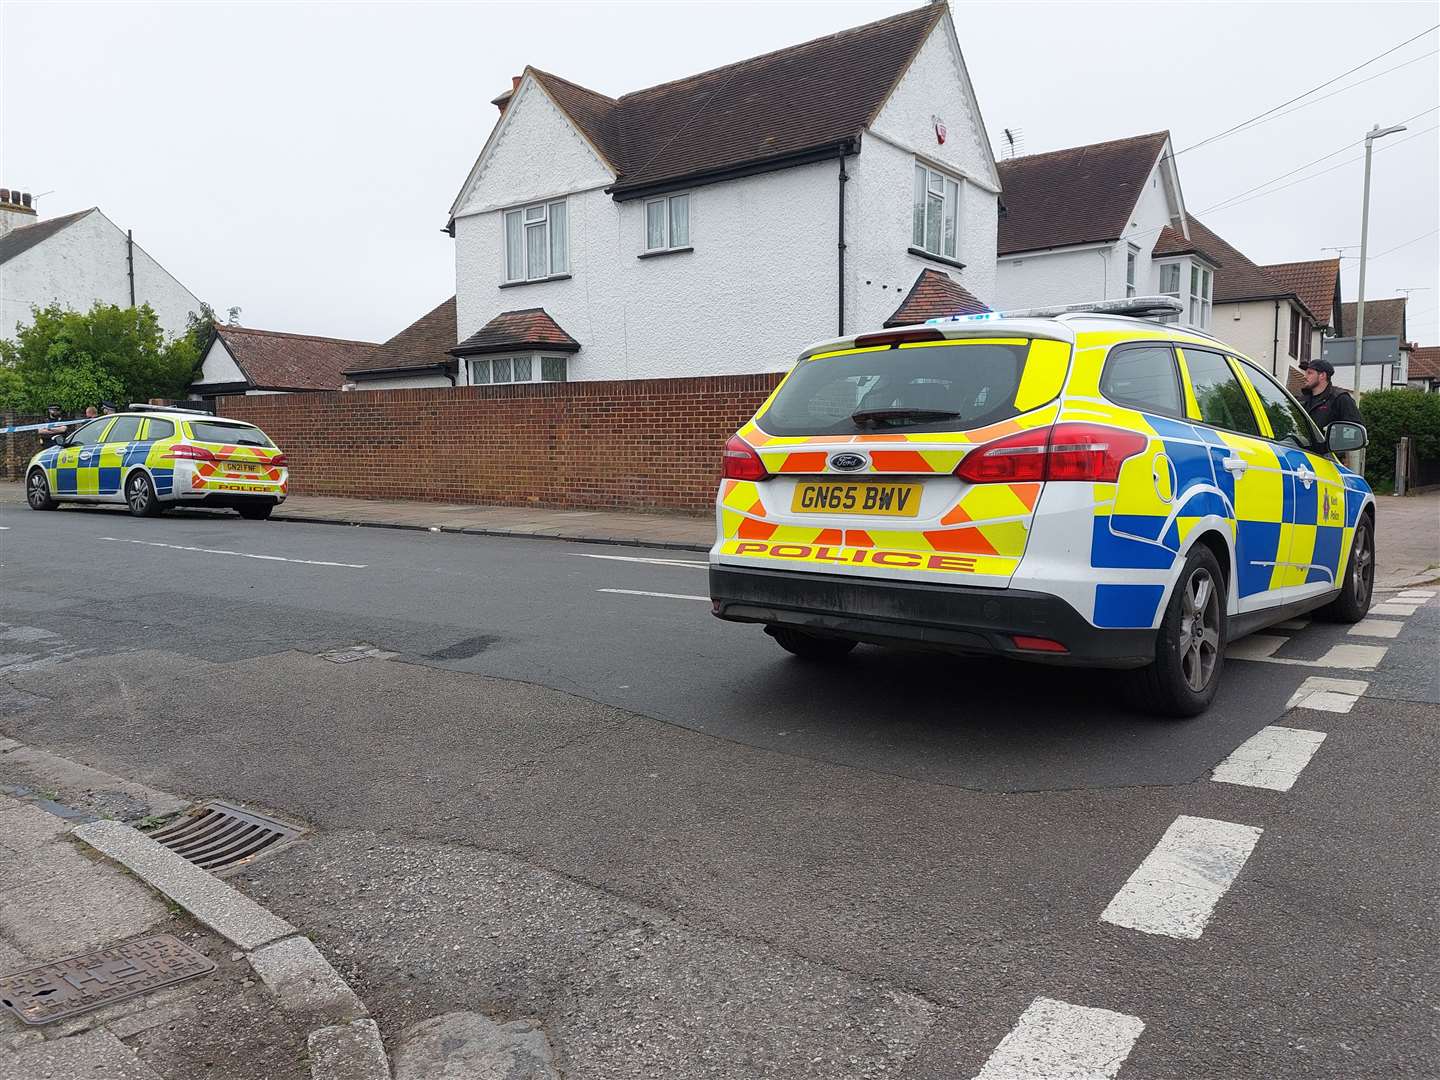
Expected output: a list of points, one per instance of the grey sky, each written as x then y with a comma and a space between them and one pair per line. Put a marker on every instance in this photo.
299, 160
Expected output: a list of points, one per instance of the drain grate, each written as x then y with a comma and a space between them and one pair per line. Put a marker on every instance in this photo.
218, 836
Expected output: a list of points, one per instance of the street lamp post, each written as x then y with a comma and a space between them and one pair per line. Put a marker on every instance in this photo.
1374, 133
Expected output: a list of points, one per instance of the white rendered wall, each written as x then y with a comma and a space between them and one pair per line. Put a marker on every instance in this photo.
1068, 276
219, 366
403, 382
85, 262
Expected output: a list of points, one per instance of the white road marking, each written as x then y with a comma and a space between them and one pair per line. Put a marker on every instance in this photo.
663, 595
1394, 607
4, 528
1293, 624
237, 554
1261, 648
1415, 594
1174, 891
1271, 758
1055, 1040
1327, 695
1377, 628
636, 558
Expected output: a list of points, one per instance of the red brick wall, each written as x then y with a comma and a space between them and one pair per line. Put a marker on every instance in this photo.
651, 444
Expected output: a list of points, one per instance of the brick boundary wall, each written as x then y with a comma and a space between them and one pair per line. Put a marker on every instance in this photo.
641, 444
17, 448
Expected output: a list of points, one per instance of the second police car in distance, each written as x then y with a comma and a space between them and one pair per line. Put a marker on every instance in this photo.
152, 457
1070, 485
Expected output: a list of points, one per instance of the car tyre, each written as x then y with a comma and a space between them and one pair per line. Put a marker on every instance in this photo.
140, 497
255, 511
37, 491
1353, 603
809, 646
1190, 645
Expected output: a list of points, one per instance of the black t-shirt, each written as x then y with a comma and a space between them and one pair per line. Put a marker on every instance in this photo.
1330, 405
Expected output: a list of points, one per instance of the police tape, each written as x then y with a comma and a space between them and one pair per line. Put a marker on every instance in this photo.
11, 429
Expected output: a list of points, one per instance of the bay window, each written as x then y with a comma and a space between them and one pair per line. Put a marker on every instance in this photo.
1201, 280
935, 218
1132, 256
520, 368
537, 242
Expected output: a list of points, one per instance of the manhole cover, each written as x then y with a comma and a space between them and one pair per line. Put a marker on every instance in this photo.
217, 836
81, 983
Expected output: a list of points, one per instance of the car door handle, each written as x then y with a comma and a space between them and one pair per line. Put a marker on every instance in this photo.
1305, 476
1235, 465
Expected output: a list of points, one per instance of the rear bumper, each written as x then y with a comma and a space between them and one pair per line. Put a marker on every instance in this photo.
954, 618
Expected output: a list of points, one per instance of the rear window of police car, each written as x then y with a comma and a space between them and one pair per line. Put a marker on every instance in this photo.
822, 396
231, 434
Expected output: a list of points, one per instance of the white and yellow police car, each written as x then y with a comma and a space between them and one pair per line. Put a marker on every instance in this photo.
152, 457
1074, 485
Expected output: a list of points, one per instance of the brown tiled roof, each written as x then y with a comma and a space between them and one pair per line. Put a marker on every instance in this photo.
1238, 278
802, 99
933, 296
1174, 242
425, 343
1082, 195
1424, 361
530, 328
1314, 282
276, 361
21, 240
1383, 318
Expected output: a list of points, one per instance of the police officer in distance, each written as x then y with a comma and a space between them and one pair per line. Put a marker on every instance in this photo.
1323, 400
50, 434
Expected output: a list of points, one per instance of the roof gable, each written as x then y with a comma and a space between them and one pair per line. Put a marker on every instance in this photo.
1080, 195
18, 241
1237, 278
272, 360
1317, 283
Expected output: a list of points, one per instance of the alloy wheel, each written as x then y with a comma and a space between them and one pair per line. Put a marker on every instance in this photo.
1199, 629
139, 494
38, 492
1362, 560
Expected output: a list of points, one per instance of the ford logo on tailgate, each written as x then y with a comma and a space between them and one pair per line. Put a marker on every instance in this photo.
848, 462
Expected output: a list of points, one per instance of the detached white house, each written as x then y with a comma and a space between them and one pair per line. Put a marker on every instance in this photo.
75, 260
717, 224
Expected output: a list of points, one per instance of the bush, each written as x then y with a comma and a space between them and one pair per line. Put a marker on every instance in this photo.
1389, 414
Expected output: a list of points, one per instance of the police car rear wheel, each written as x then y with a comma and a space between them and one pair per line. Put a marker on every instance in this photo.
1353, 603
255, 511
140, 496
37, 491
1190, 646
810, 646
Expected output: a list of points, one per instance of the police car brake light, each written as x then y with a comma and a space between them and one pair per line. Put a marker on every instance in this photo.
190, 453
741, 462
1070, 451
278, 461
897, 337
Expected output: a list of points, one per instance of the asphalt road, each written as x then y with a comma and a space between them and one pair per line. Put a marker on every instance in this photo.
688, 854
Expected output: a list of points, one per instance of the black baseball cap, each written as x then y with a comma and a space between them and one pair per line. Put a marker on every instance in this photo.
1322, 365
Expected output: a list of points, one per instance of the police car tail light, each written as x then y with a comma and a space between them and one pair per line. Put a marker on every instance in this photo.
279, 461
742, 462
190, 453
1062, 452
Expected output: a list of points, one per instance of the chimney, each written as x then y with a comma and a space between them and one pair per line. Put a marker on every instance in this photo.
504, 99
16, 209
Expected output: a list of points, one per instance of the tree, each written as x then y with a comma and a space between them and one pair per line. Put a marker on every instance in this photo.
76, 359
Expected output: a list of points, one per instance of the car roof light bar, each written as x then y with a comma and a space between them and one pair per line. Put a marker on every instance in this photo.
1139, 307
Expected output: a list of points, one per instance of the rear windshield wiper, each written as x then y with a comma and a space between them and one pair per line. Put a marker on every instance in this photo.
902, 416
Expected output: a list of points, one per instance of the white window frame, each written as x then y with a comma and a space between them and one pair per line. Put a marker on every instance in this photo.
1178, 291
536, 361
1200, 303
1132, 268
540, 217
668, 241
922, 211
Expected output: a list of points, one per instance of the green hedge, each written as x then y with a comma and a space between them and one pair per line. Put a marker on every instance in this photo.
1387, 415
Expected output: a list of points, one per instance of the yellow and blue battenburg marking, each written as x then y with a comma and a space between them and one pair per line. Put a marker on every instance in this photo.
100, 468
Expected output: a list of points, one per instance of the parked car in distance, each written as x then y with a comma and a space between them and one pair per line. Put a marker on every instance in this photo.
1072, 486
154, 457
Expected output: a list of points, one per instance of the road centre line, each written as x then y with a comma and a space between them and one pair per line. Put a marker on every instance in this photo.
1379, 628
1174, 891
638, 559
663, 595
1271, 758
237, 554
1054, 1039
1328, 695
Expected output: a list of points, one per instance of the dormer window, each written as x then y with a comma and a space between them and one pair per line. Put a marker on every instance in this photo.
537, 242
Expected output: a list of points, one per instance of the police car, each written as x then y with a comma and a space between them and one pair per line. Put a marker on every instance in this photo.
153, 457
1081, 485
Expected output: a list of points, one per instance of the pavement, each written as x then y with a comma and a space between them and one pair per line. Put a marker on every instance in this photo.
552, 806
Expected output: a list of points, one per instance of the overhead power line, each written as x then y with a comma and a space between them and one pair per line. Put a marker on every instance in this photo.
1307, 93
1407, 243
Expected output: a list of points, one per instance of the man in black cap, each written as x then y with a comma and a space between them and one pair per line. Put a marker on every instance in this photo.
1323, 400
49, 435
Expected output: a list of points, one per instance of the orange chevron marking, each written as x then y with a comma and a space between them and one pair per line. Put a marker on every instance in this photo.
971, 540
910, 461
750, 529
806, 461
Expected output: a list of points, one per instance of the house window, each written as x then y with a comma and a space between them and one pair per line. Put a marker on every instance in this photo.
1200, 282
1170, 286
524, 368
1294, 333
537, 242
1132, 257
936, 212
1306, 333
667, 223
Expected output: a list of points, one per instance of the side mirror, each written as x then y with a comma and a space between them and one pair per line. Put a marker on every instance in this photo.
1343, 437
